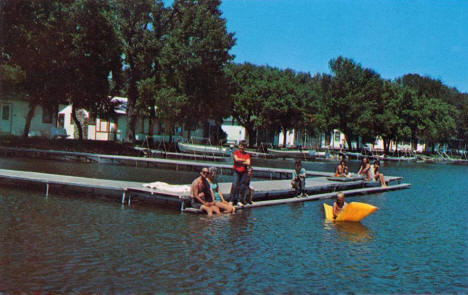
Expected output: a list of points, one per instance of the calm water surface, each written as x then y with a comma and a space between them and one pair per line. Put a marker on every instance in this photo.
415, 243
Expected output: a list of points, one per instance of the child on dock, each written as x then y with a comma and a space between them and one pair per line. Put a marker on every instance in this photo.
298, 179
247, 191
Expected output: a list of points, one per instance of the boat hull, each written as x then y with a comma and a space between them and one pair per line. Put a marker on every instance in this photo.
299, 154
204, 149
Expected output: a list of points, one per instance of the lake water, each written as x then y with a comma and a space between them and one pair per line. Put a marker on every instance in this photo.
415, 243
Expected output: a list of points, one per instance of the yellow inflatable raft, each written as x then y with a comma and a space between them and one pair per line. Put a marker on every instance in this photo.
354, 211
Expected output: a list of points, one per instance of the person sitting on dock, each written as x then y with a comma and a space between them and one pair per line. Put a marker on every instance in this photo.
241, 161
201, 194
339, 205
378, 175
341, 169
298, 179
220, 202
364, 169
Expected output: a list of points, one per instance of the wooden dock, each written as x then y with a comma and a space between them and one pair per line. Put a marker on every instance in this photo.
224, 168
270, 191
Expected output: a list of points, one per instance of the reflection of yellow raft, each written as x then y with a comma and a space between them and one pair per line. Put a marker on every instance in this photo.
354, 211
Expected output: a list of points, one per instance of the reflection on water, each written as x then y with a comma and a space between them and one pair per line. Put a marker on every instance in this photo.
70, 244
351, 231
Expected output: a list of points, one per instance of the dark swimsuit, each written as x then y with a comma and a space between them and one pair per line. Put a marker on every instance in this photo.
206, 189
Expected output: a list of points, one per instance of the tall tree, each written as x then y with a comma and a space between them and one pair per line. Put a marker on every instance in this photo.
93, 53
134, 24
32, 43
388, 122
351, 104
283, 106
249, 91
194, 56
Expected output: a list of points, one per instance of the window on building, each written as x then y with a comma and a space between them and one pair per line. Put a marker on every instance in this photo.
6, 112
61, 121
337, 136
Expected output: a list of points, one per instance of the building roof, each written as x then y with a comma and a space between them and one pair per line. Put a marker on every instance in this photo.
121, 104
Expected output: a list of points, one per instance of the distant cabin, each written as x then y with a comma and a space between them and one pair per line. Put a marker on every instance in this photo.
13, 112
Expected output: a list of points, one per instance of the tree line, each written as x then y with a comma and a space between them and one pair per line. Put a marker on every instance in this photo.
174, 63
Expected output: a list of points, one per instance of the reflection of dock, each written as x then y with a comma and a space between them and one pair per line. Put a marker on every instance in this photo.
269, 192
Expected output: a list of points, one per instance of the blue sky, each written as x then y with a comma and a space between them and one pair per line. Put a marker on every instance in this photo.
392, 37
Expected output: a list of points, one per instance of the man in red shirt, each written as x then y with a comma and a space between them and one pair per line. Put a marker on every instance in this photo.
241, 161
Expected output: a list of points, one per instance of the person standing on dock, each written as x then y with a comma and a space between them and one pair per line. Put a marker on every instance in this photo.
241, 162
247, 191
298, 179
202, 197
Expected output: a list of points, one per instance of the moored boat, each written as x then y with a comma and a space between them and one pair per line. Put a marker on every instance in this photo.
293, 153
397, 159
204, 149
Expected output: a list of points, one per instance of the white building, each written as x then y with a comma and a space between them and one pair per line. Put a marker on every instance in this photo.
13, 114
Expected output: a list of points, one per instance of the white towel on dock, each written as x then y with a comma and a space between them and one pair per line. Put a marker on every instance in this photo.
176, 188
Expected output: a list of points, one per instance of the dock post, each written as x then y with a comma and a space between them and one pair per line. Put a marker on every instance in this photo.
47, 190
123, 196
182, 206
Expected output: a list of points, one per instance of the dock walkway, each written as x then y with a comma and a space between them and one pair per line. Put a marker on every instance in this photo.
224, 168
278, 191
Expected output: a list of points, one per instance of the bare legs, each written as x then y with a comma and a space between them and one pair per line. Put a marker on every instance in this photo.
225, 207
381, 179
210, 210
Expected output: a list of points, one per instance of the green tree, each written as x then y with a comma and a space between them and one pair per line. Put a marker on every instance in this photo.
388, 122
352, 101
134, 25
249, 91
32, 45
193, 59
438, 121
283, 107
92, 53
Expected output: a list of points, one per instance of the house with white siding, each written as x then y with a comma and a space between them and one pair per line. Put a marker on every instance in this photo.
13, 112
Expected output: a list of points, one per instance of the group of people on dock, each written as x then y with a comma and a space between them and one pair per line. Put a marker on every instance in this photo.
366, 170
207, 196
205, 191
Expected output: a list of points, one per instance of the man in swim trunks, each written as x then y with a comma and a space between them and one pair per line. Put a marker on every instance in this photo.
201, 194
339, 205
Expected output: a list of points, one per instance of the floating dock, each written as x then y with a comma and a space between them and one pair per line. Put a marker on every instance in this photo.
223, 168
268, 192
